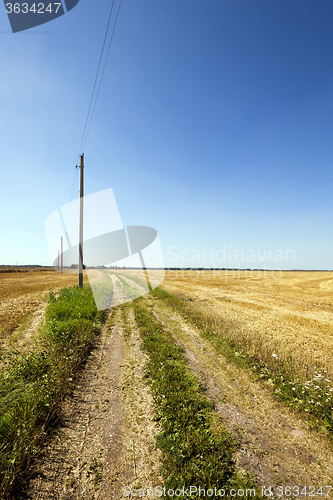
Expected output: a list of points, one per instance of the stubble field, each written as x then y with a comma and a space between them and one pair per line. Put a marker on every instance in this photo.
21, 294
287, 314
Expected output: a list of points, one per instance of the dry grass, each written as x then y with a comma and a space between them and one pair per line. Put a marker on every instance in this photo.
22, 292
289, 316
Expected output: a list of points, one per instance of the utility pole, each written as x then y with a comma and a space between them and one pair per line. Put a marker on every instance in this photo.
61, 255
81, 226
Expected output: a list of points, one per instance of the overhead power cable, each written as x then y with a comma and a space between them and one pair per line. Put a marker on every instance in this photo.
96, 78
100, 82
92, 103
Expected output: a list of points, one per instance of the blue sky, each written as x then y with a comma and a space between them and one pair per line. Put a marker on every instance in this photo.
214, 125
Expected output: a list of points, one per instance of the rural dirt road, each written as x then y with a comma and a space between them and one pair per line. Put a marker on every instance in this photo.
105, 440
106, 437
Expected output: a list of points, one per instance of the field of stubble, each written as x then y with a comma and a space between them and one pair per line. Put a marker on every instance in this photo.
22, 293
289, 316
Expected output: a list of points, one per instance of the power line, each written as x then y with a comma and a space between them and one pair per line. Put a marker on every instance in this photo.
96, 78
91, 114
100, 82
75, 178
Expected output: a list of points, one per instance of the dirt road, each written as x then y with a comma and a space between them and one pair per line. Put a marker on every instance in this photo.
106, 439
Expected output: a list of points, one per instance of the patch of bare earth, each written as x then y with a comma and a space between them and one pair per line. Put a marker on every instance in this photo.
275, 446
106, 436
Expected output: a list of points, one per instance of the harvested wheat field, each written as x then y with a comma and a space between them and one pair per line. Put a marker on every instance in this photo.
22, 293
288, 314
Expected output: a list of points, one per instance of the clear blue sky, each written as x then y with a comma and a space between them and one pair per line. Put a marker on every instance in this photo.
214, 125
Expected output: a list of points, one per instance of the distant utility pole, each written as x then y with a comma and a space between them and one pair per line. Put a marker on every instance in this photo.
61, 255
81, 226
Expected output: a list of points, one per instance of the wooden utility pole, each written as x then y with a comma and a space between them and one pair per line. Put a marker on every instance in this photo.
61, 255
81, 226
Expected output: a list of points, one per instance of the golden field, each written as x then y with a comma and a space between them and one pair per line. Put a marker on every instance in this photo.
22, 292
287, 313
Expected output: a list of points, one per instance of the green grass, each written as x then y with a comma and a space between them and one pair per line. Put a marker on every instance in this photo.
33, 385
131, 292
197, 449
126, 323
313, 398
142, 282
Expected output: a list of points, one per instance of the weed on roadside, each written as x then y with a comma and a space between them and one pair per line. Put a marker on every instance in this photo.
312, 397
33, 385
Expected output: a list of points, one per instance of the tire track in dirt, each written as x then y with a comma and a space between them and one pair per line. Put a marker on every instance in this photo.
87, 446
275, 446
140, 440
106, 437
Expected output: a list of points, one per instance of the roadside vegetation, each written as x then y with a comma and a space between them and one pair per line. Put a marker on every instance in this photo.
312, 396
141, 281
196, 447
33, 385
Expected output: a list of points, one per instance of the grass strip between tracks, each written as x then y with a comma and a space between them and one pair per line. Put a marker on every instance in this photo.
313, 398
33, 385
197, 449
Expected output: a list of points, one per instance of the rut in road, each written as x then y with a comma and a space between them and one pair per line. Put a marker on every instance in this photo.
106, 437
275, 445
